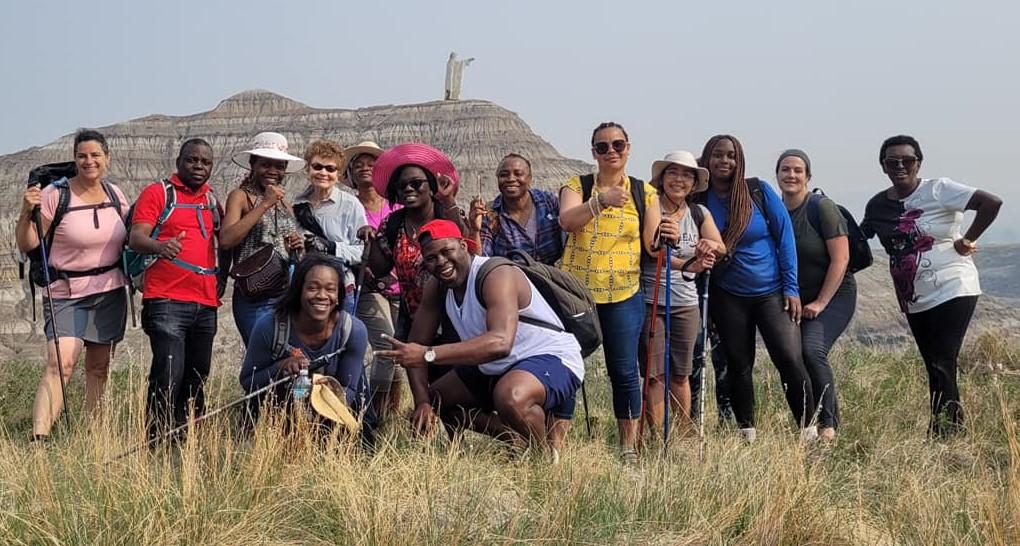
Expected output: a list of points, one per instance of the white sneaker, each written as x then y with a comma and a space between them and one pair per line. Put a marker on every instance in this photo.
809, 434
749, 435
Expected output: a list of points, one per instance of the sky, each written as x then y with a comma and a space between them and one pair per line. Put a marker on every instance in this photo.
834, 79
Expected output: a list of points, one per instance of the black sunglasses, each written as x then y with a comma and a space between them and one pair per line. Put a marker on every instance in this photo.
602, 148
327, 168
416, 184
894, 162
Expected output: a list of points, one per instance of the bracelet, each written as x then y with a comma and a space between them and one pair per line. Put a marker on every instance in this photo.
591, 209
602, 200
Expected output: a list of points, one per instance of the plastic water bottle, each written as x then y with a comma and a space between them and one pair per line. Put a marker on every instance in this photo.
302, 386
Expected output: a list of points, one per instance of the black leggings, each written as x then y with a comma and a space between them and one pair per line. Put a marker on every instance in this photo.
817, 336
736, 318
939, 335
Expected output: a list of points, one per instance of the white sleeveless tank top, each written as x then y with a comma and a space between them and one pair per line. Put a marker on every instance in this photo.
469, 321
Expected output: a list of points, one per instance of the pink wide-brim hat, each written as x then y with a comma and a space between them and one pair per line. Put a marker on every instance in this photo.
411, 153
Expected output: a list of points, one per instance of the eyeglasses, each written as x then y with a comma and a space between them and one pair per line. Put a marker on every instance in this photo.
602, 148
894, 162
416, 184
327, 168
682, 174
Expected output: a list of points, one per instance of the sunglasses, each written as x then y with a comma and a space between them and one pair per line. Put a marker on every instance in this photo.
327, 168
894, 162
416, 184
602, 148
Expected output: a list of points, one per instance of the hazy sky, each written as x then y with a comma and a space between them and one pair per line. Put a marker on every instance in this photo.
833, 79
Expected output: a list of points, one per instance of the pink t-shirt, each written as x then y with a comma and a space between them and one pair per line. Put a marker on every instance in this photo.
375, 219
85, 239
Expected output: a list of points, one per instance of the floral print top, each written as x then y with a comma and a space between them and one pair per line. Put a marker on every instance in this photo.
918, 232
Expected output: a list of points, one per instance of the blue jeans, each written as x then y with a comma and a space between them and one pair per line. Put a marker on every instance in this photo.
181, 337
247, 312
621, 331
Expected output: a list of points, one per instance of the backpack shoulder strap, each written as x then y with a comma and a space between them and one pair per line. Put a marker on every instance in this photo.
587, 185
346, 325
483, 272
757, 194
697, 214
169, 201
63, 203
637, 192
111, 194
813, 213
214, 207
281, 338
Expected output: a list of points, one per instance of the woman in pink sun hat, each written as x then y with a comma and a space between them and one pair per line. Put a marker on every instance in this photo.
424, 182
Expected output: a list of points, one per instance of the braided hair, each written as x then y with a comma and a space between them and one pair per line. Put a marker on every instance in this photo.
740, 205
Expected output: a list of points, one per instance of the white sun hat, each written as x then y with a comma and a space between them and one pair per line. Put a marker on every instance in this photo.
273, 146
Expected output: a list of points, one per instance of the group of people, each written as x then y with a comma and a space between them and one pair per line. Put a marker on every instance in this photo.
392, 261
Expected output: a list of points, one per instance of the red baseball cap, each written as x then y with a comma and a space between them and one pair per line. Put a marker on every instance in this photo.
444, 229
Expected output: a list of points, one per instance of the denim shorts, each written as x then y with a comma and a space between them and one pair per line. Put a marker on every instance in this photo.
560, 383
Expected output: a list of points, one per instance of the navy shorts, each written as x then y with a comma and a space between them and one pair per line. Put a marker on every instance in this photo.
560, 383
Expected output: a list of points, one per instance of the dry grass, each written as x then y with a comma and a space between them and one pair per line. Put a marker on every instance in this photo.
883, 483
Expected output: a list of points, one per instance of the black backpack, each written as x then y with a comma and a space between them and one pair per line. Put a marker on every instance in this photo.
568, 297
860, 252
58, 174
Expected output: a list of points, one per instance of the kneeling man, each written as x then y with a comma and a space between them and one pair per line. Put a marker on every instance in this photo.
509, 375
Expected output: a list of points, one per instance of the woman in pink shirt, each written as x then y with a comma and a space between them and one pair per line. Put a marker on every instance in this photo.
380, 294
87, 285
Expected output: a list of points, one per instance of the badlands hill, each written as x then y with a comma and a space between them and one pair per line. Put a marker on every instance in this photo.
475, 134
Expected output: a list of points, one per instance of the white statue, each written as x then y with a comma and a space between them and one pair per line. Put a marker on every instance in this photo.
454, 75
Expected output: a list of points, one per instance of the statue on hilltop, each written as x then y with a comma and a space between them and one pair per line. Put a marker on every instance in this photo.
454, 75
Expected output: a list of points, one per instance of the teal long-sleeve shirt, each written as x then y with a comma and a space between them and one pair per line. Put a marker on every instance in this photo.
764, 260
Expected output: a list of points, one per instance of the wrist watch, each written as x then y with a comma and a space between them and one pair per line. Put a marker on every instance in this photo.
430, 355
968, 243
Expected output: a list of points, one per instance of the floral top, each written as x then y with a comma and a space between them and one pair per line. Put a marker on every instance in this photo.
919, 233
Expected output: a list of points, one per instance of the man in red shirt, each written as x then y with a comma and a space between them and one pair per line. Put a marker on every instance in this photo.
179, 298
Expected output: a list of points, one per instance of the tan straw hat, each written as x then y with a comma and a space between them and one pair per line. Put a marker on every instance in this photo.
684, 159
328, 400
363, 147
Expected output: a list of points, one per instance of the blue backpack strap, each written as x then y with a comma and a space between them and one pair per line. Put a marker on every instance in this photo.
169, 203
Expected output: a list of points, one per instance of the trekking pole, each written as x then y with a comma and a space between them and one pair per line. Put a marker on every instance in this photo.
704, 362
358, 282
312, 366
587, 416
650, 347
49, 305
667, 398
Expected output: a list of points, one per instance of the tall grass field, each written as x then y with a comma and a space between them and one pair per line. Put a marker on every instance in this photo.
883, 483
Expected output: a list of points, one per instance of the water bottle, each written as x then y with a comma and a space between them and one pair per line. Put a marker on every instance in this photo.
302, 386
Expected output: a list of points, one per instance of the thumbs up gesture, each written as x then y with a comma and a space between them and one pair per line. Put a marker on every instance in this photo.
171, 247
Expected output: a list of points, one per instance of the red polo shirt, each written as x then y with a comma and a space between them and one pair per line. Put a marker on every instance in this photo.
165, 279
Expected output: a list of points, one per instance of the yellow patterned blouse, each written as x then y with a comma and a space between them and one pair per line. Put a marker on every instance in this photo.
606, 253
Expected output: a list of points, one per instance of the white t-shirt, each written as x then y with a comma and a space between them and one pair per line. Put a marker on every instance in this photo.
918, 233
